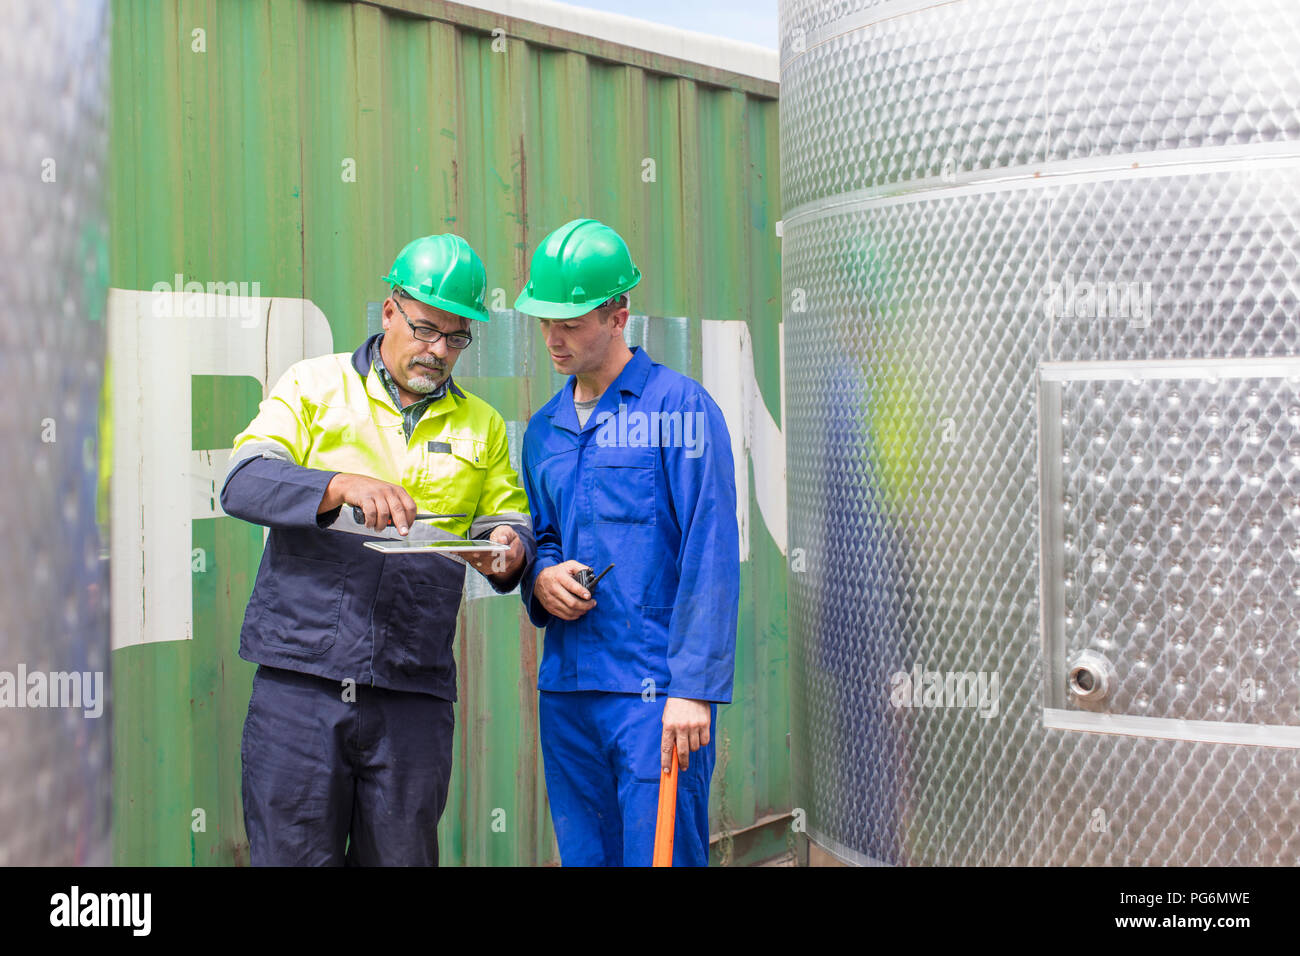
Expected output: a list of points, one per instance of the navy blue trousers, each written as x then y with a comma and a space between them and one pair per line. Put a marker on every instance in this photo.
329, 782
600, 752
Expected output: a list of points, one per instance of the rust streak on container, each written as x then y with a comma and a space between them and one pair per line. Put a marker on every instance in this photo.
522, 251
529, 758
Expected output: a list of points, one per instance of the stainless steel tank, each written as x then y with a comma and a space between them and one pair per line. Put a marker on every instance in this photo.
55, 735
1041, 264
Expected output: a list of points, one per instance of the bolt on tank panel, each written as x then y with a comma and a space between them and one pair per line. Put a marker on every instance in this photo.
1204, 263
910, 434
912, 439
897, 93
919, 315
1171, 545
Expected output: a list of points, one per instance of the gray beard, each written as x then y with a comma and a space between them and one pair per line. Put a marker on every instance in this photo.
424, 381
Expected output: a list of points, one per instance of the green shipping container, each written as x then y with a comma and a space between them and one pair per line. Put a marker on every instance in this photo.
268, 159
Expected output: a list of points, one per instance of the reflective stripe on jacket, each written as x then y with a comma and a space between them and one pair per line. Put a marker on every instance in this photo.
323, 603
647, 485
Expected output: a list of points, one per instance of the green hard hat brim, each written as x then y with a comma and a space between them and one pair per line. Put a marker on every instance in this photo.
545, 309
480, 315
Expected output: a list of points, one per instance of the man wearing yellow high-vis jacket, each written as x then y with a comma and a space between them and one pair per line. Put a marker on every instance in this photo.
348, 741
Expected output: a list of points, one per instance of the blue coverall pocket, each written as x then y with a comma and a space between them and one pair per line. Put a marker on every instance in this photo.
293, 616
623, 489
416, 627
244, 740
655, 622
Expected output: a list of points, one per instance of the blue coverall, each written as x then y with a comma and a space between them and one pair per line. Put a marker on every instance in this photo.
647, 485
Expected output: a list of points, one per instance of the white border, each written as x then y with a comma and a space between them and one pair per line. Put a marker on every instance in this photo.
1172, 728
1155, 370
1120, 167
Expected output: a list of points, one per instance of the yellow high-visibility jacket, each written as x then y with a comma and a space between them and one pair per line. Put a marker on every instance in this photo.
323, 603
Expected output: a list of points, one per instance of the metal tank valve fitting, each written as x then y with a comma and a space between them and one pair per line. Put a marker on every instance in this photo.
1090, 678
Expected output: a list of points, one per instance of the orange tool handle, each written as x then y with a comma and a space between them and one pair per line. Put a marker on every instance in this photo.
663, 855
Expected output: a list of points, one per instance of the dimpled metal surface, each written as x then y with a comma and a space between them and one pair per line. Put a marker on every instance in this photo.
972, 190
55, 792
894, 91
1180, 543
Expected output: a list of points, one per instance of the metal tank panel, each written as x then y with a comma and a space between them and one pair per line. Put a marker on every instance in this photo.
55, 734
1041, 265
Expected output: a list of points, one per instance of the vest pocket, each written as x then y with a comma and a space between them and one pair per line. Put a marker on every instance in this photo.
452, 480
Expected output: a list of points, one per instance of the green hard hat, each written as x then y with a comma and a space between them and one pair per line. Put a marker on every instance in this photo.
575, 269
442, 271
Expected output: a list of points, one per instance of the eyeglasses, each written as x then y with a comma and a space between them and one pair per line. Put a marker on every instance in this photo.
427, 333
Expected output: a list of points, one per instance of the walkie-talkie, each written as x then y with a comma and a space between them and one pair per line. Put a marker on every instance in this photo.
587, 579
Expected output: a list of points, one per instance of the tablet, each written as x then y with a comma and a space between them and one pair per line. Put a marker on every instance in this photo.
448, 546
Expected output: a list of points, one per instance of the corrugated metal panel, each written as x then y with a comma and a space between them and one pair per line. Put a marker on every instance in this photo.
231, 164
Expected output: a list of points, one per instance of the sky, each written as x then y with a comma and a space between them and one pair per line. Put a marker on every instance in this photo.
753, 21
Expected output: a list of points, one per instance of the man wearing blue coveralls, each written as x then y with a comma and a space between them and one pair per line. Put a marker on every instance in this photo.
348, 741
629, 464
